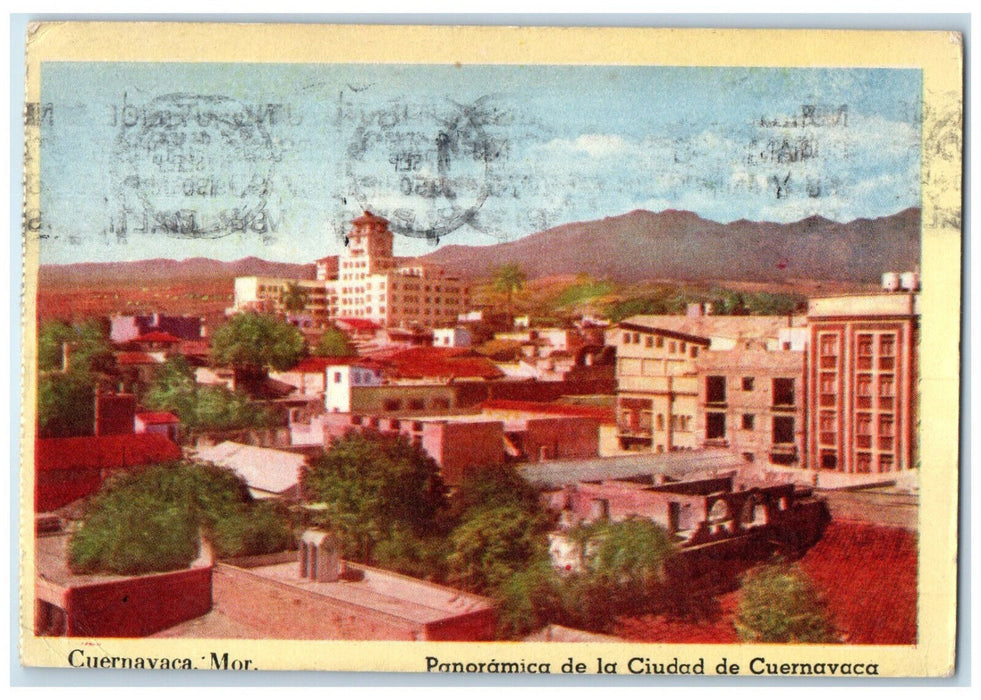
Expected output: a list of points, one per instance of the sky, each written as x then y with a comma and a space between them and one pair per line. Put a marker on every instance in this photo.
225, 161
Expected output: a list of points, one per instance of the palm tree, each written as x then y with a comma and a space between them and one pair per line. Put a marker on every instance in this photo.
509, 279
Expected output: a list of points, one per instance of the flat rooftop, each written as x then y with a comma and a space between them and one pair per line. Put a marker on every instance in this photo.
404, 597
677, 465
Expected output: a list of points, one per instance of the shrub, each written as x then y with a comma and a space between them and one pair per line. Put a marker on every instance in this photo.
150, 520
780, 604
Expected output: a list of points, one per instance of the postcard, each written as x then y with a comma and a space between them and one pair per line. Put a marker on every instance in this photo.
491, 351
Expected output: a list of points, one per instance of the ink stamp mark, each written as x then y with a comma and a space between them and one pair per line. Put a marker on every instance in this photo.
192, 166
428, 168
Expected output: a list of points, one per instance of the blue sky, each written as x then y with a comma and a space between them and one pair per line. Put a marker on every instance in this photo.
196, 162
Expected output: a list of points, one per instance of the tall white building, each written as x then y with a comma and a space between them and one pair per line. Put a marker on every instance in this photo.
366, 282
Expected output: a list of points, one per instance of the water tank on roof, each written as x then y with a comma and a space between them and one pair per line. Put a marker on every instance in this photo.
890, 281
910, 281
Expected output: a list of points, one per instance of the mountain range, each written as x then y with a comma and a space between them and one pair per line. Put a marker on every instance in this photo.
680, 245
633, 247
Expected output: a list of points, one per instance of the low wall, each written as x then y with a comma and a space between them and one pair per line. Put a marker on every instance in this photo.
280, 611
134, 606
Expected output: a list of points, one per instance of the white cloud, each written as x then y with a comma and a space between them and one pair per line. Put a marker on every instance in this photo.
595, 145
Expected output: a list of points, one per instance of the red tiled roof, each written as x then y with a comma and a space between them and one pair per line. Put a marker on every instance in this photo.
67, 469
157, 337
316, 365
104, 451
439, 362
135, 358
157, 417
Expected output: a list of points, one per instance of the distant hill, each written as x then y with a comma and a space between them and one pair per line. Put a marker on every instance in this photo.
635, 247
680, 245
162, 269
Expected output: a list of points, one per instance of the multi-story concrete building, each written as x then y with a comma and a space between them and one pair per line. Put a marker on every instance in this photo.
862, 374
366, 281
661, 392
657, 388
751, 400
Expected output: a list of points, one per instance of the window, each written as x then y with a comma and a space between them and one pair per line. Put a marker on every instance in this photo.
649, 341
694, 351
865, 345
416, 404
626, 339
672, 347
660, 421
637, 338
783, 391
863, 463
828, 383
783, 430
392, 404
747, 383
441, 404
885, 426
828, 422
337, 377
863, 424
715, 389
887, 345
829, 459
748, 421
886, 386
658, 341
828, 344
715, 426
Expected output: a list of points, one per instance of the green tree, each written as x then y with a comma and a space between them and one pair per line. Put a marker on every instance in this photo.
372, 485
150, 520
494, 487
205, 407
257, 342
780, 604
65, 404
51, 338
509, 279
334, 343
88, 341
492, 545
294, 298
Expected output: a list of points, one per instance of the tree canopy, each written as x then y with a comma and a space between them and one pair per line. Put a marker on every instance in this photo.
149, 520
257, 342
509, 279
780, 604
334, 343
206, 407
88, 341
371, 486
294, 298
65, 404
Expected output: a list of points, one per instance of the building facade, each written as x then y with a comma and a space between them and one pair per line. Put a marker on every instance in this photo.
751, 400
366, 281
862, 370
657, 386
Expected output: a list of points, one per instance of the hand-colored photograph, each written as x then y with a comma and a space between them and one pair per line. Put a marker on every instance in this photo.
358, 348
